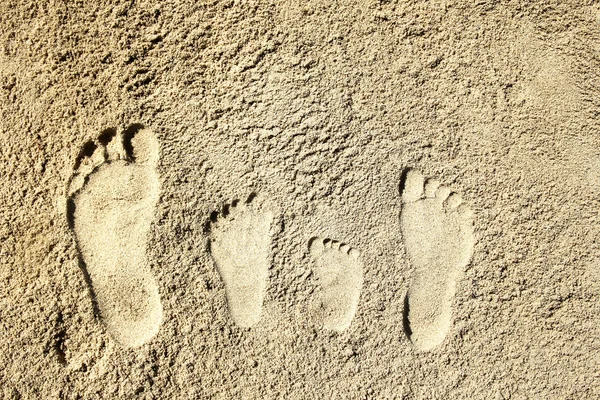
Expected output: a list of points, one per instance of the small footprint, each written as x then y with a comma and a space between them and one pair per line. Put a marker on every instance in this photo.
240, 245
340, 275
438, 233
112, 196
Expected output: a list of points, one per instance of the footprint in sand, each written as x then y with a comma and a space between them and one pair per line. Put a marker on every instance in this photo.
438, 233
340, 275
112, 196
240, 245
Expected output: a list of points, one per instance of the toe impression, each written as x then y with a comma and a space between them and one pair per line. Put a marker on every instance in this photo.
413, 186
453, 201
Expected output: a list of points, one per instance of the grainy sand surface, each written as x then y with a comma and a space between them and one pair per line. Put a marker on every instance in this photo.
299, 200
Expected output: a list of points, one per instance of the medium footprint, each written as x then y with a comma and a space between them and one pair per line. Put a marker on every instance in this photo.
112, 196
340, 275
438, 233
240, 245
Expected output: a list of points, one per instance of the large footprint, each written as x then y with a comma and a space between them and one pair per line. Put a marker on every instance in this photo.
438, 233
112, 196
340, 275
240, 245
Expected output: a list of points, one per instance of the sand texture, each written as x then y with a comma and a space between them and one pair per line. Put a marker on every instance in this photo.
299, 199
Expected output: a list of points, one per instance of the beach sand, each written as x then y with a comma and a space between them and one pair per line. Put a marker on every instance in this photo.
299, 200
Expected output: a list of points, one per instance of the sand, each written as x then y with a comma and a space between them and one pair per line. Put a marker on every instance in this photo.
299, 200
